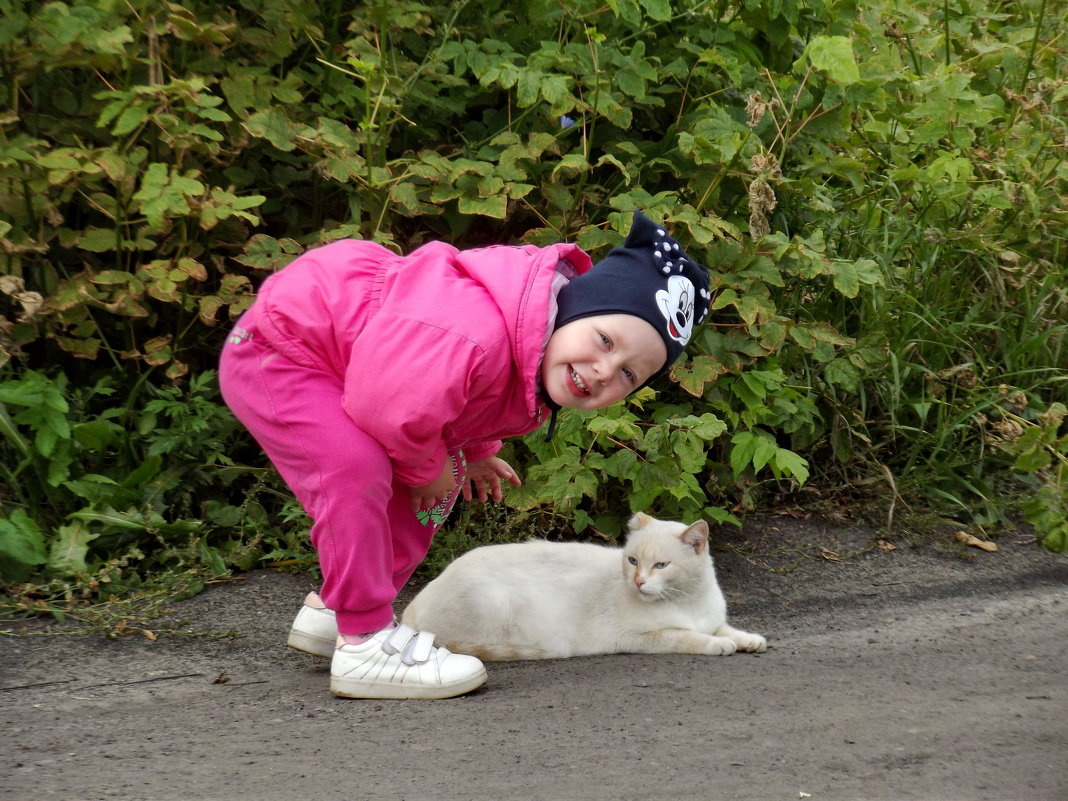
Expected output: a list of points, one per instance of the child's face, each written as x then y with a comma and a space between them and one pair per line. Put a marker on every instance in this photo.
593, 362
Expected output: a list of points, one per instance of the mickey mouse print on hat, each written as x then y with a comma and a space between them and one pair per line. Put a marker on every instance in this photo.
649, 276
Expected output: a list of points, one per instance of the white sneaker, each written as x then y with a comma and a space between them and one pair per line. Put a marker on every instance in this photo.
402, 663
315, 628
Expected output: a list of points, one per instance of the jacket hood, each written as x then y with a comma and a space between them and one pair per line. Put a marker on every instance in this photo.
521, 282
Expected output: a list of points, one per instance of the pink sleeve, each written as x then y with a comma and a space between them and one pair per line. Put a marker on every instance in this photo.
405, 381
477, 451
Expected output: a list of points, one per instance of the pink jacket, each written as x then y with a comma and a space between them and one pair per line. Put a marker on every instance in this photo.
438, 350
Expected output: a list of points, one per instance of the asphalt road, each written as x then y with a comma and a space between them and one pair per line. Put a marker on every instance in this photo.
936, 672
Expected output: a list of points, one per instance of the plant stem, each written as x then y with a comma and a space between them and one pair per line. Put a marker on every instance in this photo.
945, 25
1034, 46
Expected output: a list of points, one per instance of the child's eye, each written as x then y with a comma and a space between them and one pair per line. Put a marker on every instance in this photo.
630, 375
605, 340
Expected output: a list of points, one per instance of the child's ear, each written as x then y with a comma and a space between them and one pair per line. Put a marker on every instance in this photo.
640, 520
696, 536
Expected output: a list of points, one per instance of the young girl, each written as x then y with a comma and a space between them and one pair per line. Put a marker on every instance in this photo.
380, 387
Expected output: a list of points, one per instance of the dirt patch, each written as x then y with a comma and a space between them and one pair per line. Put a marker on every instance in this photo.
921, 672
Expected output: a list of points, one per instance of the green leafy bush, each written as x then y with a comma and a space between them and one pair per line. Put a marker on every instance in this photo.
879, 192
107, 495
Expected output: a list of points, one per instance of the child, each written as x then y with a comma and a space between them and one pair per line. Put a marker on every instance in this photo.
380, 387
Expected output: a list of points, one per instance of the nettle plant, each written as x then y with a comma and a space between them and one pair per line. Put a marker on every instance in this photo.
105, 493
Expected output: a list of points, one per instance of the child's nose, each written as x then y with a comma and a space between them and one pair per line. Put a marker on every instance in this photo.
606, 368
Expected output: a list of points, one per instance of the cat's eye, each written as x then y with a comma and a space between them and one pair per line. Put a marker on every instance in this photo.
661, 565
632, 560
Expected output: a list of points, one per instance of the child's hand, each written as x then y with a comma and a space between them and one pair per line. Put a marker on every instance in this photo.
429, 495
484, 478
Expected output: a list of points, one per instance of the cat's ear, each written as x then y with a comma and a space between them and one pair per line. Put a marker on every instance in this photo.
640, 520
696, 536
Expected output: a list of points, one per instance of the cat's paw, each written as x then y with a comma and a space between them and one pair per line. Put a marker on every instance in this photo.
751, 643
720, 646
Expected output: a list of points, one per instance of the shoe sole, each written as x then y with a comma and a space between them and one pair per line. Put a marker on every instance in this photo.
354, 688
310, 644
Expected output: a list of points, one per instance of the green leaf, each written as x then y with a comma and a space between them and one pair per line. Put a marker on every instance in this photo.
823, 332
111, 518
528, 87
802, 336
1033, 460
709, 427
97, 435
222, 514
60, 159
130, 118
22, 540
846, 279
689, 451
868, 271
699, 372
110, 277
622, 428
843, 373
764, 269
573, 164
273, 125
833, 56
165, 192
630, 83
741, 456
98, 240
263, 252
657, 9
405, 197
69, 548
763, 452
145, 473
97, 489
556, 92
496, 207
791, 464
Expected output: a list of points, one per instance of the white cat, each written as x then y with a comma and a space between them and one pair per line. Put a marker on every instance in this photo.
547, 600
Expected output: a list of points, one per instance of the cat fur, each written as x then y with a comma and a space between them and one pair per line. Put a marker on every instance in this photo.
550, 600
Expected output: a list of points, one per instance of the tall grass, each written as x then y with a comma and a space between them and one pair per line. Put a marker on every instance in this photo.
965, 209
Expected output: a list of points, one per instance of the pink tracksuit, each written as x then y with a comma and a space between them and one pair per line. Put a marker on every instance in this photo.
359, 372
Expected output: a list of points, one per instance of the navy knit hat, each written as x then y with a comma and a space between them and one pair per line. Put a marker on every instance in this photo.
651, 277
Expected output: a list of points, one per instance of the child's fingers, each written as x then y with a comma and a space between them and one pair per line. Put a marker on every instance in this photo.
422, 501
510, 476
483, 489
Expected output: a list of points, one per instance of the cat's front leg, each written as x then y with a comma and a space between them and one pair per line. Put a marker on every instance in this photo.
746, 641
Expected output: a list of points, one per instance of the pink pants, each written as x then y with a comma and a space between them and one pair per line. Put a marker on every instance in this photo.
368, 539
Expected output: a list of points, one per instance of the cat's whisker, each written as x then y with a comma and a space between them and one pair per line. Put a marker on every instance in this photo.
672, 593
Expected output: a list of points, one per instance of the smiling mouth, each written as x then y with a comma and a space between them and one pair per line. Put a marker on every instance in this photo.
578, 380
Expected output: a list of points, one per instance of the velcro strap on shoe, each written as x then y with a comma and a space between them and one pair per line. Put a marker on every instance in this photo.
398, 640
419, 649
